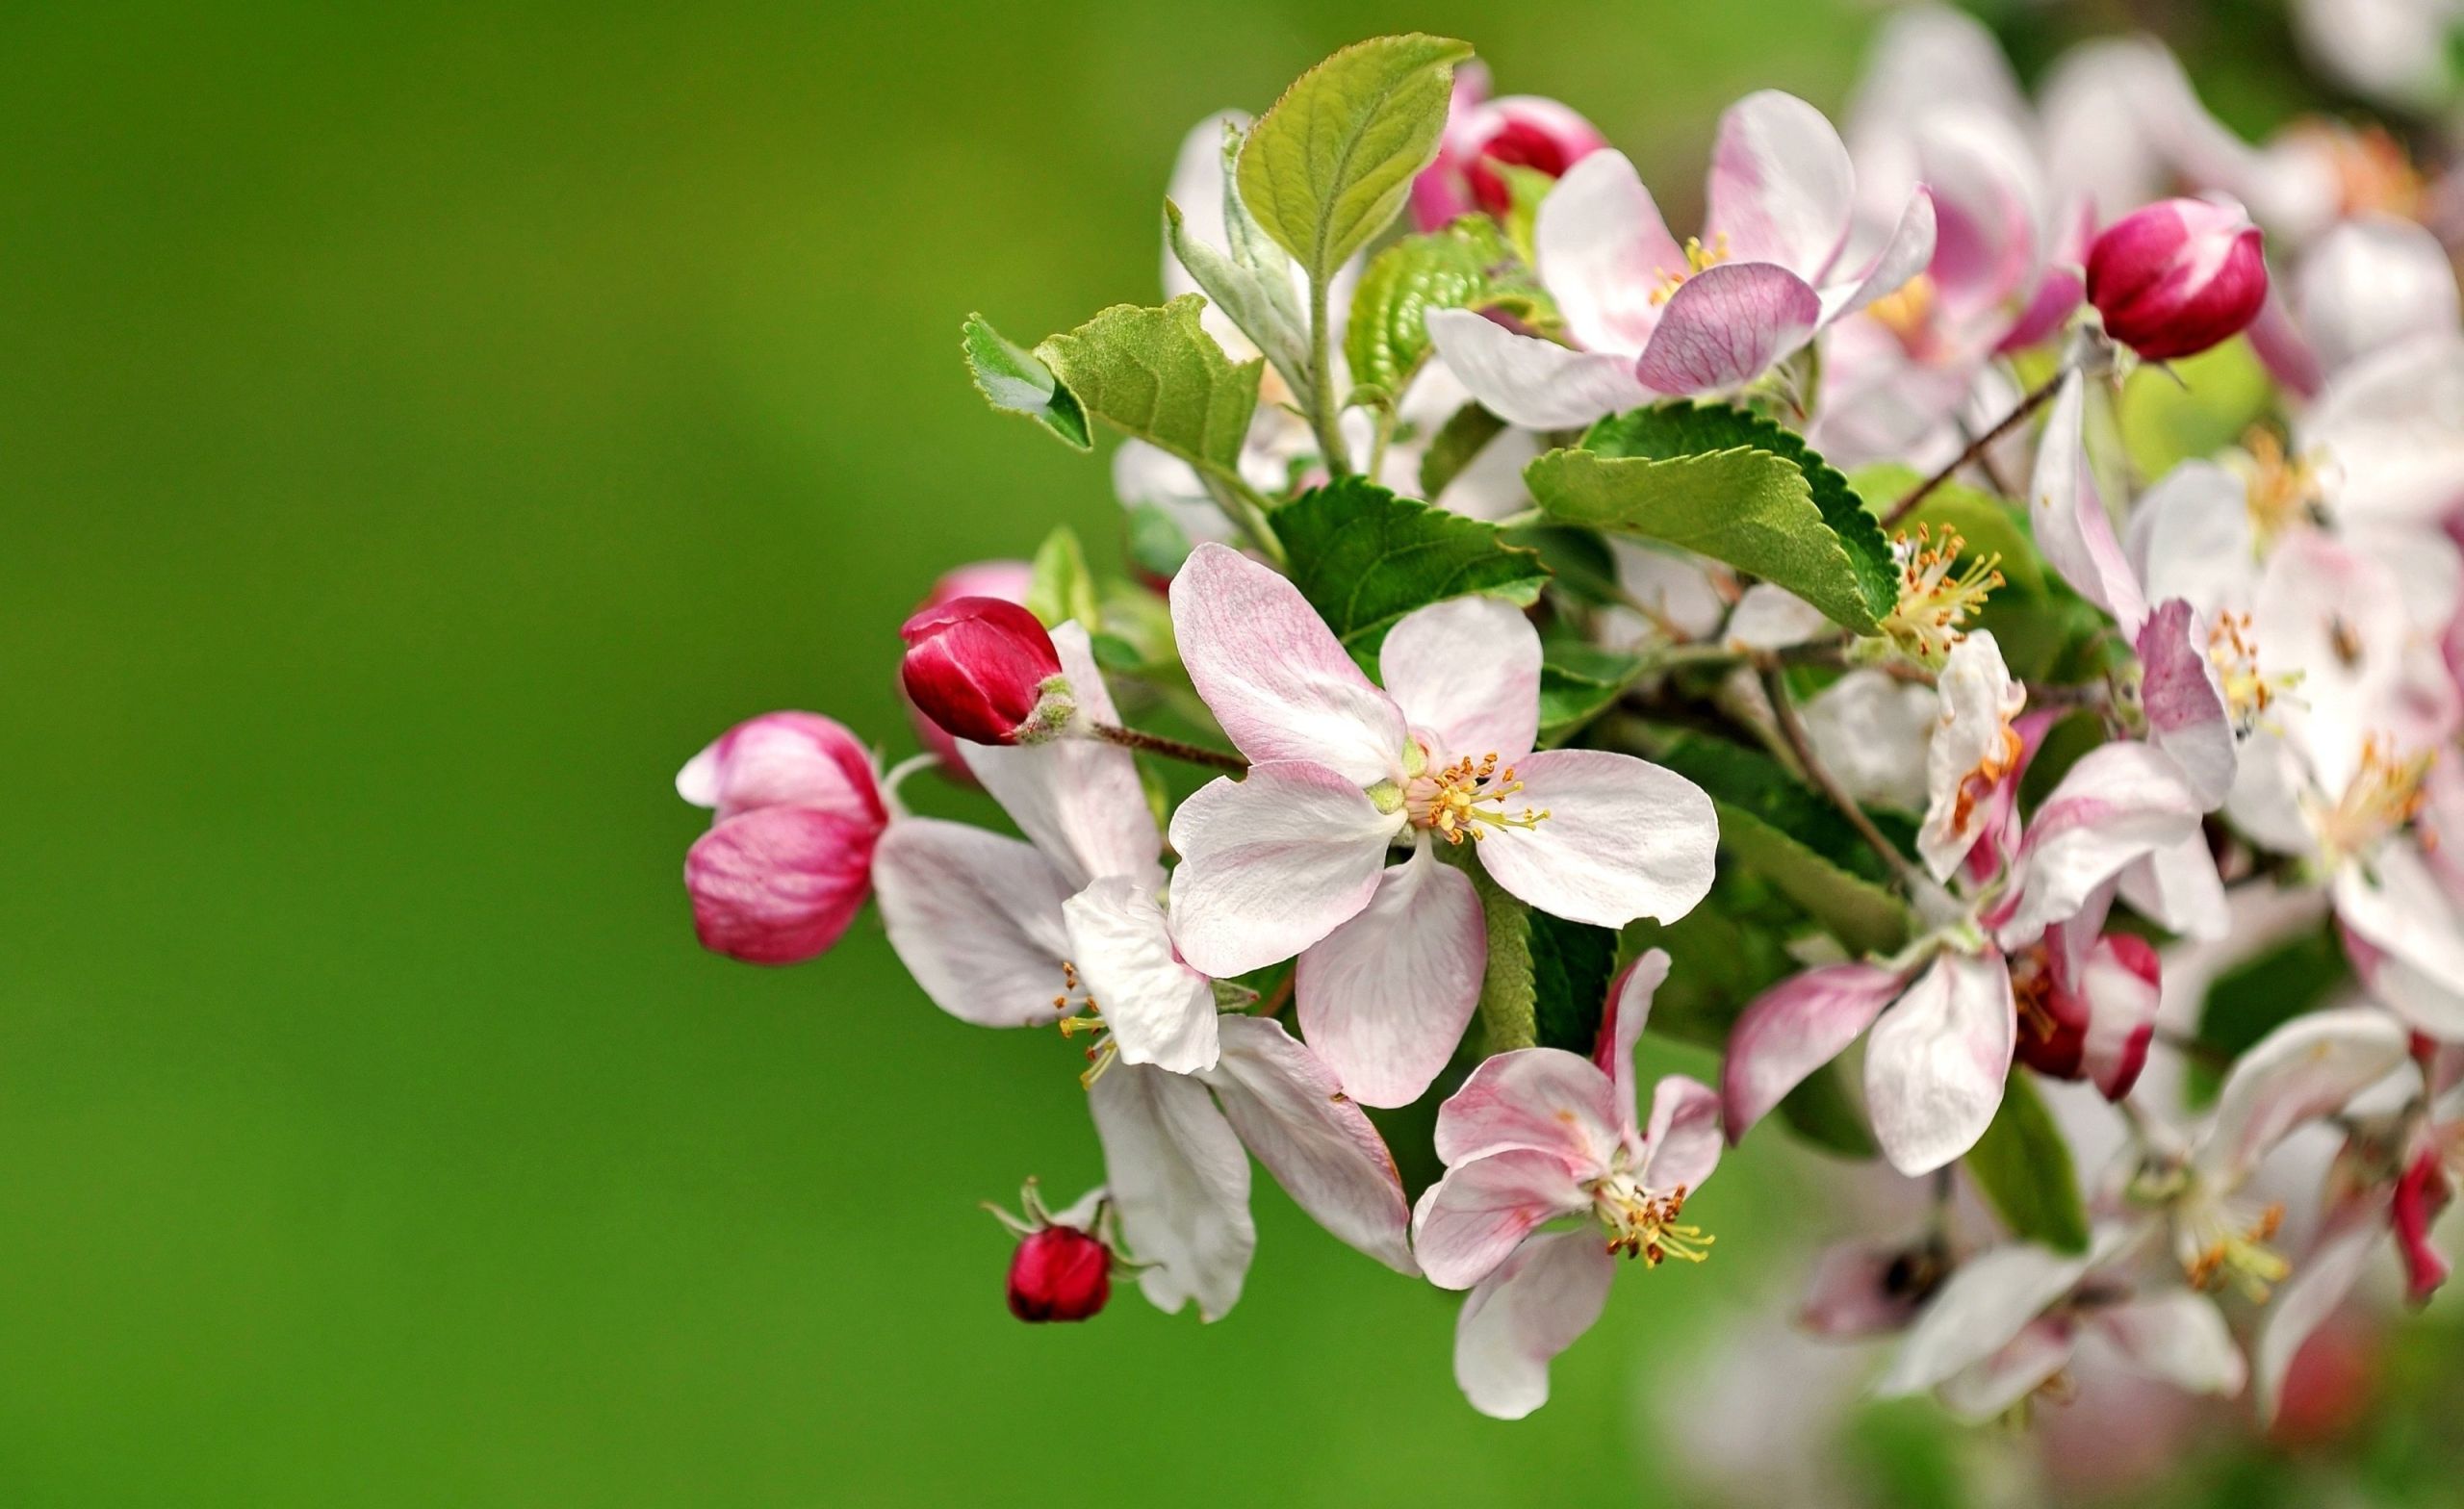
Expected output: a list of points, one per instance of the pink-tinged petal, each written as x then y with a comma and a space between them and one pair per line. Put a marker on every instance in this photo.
1468, 671
1726, 325
1793, 1029
1181, 1184
2373, 281
2283, 349
1621, 1027
2415, 929
1272, 862
1295, 1118
1986, 1390
1623, 839
1078, 800
2337, 616
2121, 983
1991, 210
2187, 717
1902, 257
1473, 1219
1867, 1289
1980, 1309
1682, 1142
1936, 1062
2390, 421
2325, 1274
2190, 538
1384, 998
1533, 1307
1159, 1009
779, 884
784, 759
1542, 1100
2119, 804
2056, 299
2422, 1196
1272, 672
2179, 1337
976, 918
1782, 189
1602, 251
2309, 1067
2071, 527
1530, 382
2178, 889
1975, 755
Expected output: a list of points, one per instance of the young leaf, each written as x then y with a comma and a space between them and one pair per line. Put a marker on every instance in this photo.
1572, 963
1157, 543
1156, 374
1363, 558
1249, 277
1456, 445
1466, 266
2024, 1168
1329, 166
1733, 486
1061, 588
1011, 379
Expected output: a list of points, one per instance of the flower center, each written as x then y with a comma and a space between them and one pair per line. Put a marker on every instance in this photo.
1938, 591
2223, 1244
2279, 490
1463, 799
1646, 1225
1697, 260
1083, 1017
2235, 654
2383, 797
1908, 313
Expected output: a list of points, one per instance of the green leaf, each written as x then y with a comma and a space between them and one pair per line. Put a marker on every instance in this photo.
1525, 189
1250, 278
1735, 487
1363, 558
1572, 963
1156, 374
2204, 405
1061, 588
1821, 1112
1456, 445
1012, 381
1329, 166
2024, 1168
1793, 837
1466, 266
1508, 1015
1578, 684
2262, 993
1727, 950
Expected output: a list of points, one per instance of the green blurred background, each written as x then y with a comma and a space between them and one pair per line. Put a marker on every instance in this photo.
423, 429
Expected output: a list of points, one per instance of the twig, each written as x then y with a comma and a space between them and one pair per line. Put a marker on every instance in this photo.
1170, 749
1325, 414
1977, 447
1792, 729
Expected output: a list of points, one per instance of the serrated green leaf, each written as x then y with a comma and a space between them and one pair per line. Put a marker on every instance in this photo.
1457, 442
1578, 684
1572, 963
1249, 277
1466, 266
2024, 1166
1329, 166
1364, 557
1060, 587
1011, 379
1735, 487
1508, 1015
1156, 374
1822, 1113
1797, 840
2262, 993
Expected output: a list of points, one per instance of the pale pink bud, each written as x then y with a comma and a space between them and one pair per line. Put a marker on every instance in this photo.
782, 759
985, 671
779, 884
1008, 580
1060, 1273
2177, 277
1483, 134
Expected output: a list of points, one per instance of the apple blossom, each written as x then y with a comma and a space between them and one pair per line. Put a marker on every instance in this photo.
1008, 580
2175, 279
985, 670
786, 864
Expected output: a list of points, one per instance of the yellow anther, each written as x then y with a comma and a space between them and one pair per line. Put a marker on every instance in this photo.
2240, 1255
2280, 490
1939, 590
2384, 797
1461, 800
1697, 260
1908, 313
1642, 1224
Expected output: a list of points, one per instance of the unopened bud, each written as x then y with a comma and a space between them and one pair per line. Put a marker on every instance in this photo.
2177, 277
985, 670
1060, 1273
1484, 135
1008, 580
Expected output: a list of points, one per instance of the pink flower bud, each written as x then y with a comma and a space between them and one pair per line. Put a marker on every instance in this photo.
789, 861
1483, 134
2177, 277
1060, 1273
1008, 580
985, 670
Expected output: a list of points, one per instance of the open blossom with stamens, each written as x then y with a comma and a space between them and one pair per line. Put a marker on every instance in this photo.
1540, 1134
1652, 317
1293, 857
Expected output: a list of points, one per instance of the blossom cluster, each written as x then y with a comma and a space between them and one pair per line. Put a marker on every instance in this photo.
1811, 642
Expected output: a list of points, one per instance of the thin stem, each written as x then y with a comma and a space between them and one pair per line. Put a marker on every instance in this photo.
1325, 413
1792, 729
1978, 446
1242, 505
1170, 749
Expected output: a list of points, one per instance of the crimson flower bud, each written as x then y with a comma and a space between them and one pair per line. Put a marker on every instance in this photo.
2177, 277
1060, 1273
985, 670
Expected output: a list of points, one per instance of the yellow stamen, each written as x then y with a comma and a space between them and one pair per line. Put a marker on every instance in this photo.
1461, 800
1908, 313
1939, 592
2234, 651
2280, 490
2239, 1254
1642, 1224
1697, 260
2384, 797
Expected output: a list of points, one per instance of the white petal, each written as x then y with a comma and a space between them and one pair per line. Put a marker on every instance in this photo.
1270, 863
1623, 839
2184, 701
1983, 1390
2373, 281
1773, 618
1384, 998
1985, 1303
1534, 383
1902, 257
1287, 1108
1781, 188
1602, 251
1272, 673
1159, 1009
976, 918
1682, 1140
2179, 889
1936, 1062
2403, 912
2190, 538
1078, 800
1181, 1184
2325, 1274
2309, 1067
1533, 1099
1872, 730
2179, 1337
2117, 804
1535, 1306
1793, 1029
2072, 529
1629, 1009
1471, 1221
1468, 671
1971, 752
